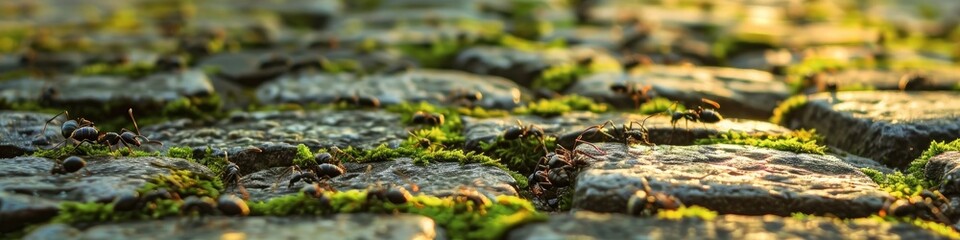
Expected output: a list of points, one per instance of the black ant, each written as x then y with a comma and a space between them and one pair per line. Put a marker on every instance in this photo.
465, 97
626, 134
520, 131
80, 130
231, 175
69, 165
635, 91
913, 82
329, 165
126, 137
421, 117
232, 206
356, 100
308, 177
647, 202
699, 114
466, 194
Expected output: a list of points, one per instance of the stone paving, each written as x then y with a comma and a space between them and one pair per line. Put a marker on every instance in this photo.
429, 119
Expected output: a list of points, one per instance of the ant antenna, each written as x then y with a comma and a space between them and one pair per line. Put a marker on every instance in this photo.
130, 111
44, 131
711, 102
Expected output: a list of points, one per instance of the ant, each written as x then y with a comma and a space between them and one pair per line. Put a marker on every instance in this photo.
330, 165
308, 177
913, 82
356, 100
467, 194
626, 134
520, 131
231, 175
698, 115
635, 91
465, 97
126, 137
421, 117
647, 202
80, 130
69, 165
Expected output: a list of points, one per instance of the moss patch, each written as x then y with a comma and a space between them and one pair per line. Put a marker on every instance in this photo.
304, 157
559, 106
660, 105
521, 155
939, 228
912, 181
130, 70
185, 183
461, 219
91, 150
687, 212
182, 182
787, 106
800, 141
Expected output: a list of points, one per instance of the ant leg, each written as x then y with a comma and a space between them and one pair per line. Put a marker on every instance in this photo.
44, 130
75, 147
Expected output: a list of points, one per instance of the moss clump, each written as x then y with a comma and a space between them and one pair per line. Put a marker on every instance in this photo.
462, 219
939, 228
896, 183
787, 106
916, 168
478, 112
558, 77
91, 150
432, 138
304, 157
185, 183
521, 155
559, 106
131, 70
687, 212
91, 212
660, 105
447, 134
800, 141
182, 182
912, 181
180, 152
426, 156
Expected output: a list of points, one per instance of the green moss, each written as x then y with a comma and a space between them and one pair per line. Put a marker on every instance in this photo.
447, 134
559, 106
438, 54
208, 107
688, 212
801, 216
180, 152
185, 183
558, 77
433, 137
912, 181
304, 157
92, 212
479, 112
341, 66
787, 106
520, 155
800, 141
15, 74
527, 45
461, 219
90, 150
897, 184
131, 70
939, 228
660, 105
